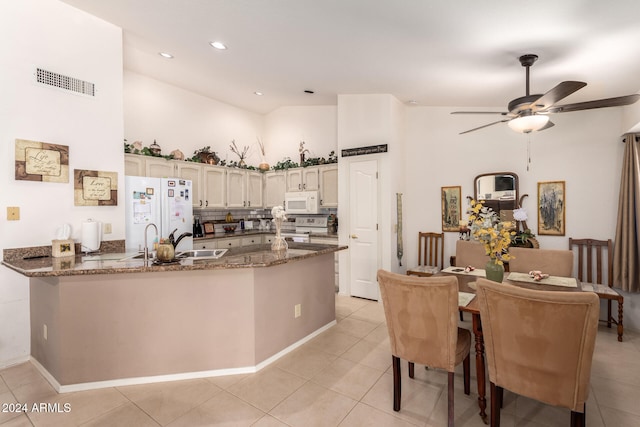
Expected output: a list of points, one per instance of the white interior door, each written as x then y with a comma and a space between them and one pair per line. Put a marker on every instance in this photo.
363, 227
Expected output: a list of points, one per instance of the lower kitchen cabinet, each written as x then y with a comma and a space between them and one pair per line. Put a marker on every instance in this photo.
252, 240
329, 241
205, 244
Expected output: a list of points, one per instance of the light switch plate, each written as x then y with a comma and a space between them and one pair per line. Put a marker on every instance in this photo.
13, 213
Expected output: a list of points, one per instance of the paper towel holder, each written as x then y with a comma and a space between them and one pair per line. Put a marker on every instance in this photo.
91, 236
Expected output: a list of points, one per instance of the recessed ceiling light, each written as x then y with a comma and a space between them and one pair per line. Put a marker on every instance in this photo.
258, 93
165, 55
218, 45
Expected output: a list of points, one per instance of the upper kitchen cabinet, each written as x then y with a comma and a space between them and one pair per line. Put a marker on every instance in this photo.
328, 185
158, 167
275, 184
134, 165
214, 186
244, 189
303, 179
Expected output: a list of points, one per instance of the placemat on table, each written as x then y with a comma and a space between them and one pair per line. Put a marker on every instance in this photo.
464, 298
567, 282
460, 270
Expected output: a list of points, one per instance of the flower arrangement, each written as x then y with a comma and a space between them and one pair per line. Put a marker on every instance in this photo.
487, 228
279, 216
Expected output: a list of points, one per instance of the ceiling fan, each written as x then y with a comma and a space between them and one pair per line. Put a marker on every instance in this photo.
531, 112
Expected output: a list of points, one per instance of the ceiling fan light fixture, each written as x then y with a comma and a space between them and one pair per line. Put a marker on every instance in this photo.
528, 123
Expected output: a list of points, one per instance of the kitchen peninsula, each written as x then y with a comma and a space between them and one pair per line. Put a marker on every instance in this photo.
104, 321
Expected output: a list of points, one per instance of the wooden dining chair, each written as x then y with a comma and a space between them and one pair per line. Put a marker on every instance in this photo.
471, 253
430, 254
595, 271
423, 327
539, 344
555, 262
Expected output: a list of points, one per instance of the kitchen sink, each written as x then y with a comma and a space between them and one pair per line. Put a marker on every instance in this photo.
202, 254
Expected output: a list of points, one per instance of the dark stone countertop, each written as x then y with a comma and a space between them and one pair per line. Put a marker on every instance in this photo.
117, 263
245, 233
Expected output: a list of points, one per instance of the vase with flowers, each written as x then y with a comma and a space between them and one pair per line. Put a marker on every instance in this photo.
494, 234
279, 216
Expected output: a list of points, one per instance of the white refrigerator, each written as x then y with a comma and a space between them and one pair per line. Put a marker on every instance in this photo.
165, 202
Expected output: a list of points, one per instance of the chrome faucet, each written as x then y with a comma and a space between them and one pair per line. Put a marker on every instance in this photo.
146, 248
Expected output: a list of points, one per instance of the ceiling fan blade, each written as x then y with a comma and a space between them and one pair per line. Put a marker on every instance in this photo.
598, 103
549, 124
504, 113
484, 126
560, 91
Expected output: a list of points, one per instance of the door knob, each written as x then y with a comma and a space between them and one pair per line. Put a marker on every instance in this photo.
353, 236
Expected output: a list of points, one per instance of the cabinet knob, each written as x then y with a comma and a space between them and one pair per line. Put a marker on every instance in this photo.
200, 203
353, 236
206, 203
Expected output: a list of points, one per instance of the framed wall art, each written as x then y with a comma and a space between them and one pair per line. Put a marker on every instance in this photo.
95, 188
551, 208
451, 208
41, 161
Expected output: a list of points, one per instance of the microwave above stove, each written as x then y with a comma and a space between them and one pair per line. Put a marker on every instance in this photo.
302, 202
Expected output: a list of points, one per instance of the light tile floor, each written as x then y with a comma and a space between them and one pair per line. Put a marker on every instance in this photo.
340, 378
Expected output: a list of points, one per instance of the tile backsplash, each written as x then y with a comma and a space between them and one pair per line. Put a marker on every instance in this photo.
218, 216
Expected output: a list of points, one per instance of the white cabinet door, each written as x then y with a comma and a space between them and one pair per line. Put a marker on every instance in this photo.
328, 186
310, 179
236, 188
214, 186
274, 188
294, 179
159, 168
251, 240
134, 165
192, 171
229, 242
303, 179
205, 244
254, 184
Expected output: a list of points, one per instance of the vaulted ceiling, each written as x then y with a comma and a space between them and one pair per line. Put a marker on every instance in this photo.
461, 53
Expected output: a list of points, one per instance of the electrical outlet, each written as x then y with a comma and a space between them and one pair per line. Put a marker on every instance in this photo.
44, 332
13, 213
297, 310
106, 228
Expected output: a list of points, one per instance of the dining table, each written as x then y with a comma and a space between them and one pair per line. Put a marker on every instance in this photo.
466, 288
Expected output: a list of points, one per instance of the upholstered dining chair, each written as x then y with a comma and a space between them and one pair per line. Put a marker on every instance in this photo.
555, 262
538, 344
469, 252
430, 254
595, 270
423, 327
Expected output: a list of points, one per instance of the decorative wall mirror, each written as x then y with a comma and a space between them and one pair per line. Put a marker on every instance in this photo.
499, 191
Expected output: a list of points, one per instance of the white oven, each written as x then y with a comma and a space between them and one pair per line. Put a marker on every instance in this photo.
302, 202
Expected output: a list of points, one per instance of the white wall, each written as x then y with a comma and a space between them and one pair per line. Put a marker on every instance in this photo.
62, 39
285, 127
179, 119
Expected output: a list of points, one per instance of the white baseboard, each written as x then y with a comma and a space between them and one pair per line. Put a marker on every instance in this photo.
68, 388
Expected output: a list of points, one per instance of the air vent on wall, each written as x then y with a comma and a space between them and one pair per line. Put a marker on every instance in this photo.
72, 84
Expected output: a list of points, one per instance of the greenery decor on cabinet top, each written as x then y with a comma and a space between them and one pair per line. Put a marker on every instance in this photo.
206, 156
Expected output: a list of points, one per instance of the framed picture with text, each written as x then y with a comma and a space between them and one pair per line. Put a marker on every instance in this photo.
451, 208
551, 208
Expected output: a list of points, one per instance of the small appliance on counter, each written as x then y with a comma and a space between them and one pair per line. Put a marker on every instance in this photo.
197, 228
